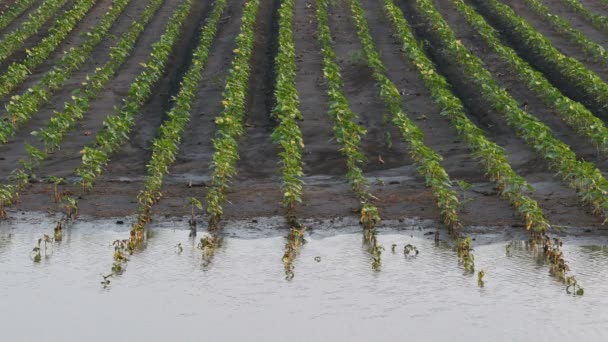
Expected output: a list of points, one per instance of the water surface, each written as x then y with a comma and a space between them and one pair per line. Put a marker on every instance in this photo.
243, 294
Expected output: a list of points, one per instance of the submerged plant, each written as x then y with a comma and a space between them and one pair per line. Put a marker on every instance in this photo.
465, 257
480, 281
295, 240
70, 207
410, 250
40, 247
194, 204
58, 231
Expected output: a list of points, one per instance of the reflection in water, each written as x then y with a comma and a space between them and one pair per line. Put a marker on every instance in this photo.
245, 295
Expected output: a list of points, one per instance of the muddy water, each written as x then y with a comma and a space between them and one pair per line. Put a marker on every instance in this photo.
243, 295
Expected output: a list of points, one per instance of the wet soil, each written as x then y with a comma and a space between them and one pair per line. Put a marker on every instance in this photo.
255, 192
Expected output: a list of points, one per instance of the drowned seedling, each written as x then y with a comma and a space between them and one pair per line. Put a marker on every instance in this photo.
194, 204
480, 281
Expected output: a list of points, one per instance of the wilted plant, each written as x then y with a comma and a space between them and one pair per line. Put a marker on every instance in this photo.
194, 204
56, 193
465, 257
295, 240
480, 281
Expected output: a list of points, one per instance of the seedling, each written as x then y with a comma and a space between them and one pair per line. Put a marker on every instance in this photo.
56, 193
194, 204
58, 231
70, 207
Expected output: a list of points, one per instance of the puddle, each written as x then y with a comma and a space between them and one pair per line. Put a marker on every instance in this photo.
243, 294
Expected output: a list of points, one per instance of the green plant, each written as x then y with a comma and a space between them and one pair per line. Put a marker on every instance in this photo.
230, 121
56, 193
582, 176
573, 113
14, 11
35, 20
348, 135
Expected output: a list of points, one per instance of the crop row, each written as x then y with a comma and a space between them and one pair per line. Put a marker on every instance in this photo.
230, 122
564, 28
583, 176
14, 11
585, 80
427, 160
573, 113
348, 134
166, 144
491, 156
21, 107
597, 20
287, 132
63, 121
17, 72
14, 40
118, 125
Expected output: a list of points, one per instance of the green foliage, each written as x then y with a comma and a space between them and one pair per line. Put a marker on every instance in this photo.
287, 133
586, 81
428, 161
118, 125
490, 155
21, 107
582, 176
230, 121
62, 122
597, 20
14, 11
166, 145
575, 36
573, 113
35, 20
348, 135
62, 26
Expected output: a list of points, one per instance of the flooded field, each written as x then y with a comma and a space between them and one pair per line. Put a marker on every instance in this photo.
165, 294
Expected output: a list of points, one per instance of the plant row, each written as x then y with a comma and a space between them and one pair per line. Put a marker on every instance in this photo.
14, 11
20, 108
597, 20
583, 176
428, 161
348, 134
14, 40
166, 144
565, 29
585, 80
287, 133
62, 122
230, 122
118, 125
490, 155
17, 72
573, 113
